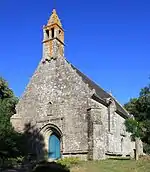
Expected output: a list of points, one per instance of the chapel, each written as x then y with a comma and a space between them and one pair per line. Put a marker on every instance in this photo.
65, 113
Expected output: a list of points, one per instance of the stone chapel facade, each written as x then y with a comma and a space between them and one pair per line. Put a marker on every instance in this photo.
73, 115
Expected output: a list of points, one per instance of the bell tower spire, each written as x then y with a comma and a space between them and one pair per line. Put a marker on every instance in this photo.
53, 38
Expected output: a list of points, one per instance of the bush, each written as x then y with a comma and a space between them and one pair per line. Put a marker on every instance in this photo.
69, 161
10, 162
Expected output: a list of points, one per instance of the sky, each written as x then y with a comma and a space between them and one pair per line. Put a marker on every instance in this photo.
108, 40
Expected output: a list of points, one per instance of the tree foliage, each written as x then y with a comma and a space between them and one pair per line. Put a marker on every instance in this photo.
140, 108
134, 127
9, 139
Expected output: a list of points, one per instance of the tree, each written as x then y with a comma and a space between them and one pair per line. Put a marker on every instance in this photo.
131, 106
140, 108
9, 139
136, 129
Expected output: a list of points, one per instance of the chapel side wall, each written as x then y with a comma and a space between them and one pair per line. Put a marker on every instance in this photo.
119, 141
57, 95
109, 133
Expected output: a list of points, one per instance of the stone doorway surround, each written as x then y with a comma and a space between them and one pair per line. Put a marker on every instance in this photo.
47, 131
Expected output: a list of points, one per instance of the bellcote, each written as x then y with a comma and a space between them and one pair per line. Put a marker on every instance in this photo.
53, 36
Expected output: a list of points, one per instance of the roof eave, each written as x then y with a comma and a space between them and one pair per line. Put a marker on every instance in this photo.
100, 100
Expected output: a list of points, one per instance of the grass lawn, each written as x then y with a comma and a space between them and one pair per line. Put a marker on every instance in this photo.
143, 165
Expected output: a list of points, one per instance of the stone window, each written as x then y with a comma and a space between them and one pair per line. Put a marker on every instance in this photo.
122, 142
111, 118
49, 109
113, 121
123, 130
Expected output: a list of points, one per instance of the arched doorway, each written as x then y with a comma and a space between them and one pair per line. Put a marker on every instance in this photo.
54, 147
52, 140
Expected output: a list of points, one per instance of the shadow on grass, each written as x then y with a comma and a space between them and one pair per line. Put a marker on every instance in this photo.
120, 158
50, 166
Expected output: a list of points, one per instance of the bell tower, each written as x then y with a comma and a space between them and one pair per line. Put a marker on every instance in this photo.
53, 38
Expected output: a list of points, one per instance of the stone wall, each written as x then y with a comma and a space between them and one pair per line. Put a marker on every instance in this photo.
118, 140
98, 115
57, 95
109, 132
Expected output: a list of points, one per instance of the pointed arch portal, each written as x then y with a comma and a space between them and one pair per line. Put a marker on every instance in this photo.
53, 140
54, 147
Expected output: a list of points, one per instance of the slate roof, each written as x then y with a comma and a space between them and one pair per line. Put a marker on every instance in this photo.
100, 92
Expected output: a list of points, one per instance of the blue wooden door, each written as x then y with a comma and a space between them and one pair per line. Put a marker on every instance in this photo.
54, 147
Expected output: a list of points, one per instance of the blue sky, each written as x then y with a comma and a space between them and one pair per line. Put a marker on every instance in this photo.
107, 40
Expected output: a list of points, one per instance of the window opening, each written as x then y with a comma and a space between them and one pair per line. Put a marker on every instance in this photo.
49, 109
52, 31
47, 33
121, 144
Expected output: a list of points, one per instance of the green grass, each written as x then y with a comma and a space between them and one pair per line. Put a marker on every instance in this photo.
143, 165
